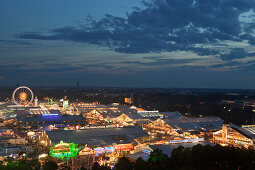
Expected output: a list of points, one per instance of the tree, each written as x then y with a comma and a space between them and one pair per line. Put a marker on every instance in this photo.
123, 164
50, 165
34, 164
157, 155
96, 166
158, 160
140, 164
83, 168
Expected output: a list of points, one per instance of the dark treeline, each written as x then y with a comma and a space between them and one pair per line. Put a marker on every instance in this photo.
196, 158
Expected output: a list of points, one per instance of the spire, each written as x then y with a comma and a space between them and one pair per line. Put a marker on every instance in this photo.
36, 101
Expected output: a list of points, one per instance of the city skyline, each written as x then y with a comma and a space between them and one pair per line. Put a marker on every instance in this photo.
168, 43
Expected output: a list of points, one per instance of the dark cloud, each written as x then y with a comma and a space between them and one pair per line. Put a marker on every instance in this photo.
236, 53
249, 37
250, 67
16, 42
228, 64
163, 25
44, 67
235, 65
159, 62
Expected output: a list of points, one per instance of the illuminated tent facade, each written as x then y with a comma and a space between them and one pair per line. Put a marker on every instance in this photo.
233, 135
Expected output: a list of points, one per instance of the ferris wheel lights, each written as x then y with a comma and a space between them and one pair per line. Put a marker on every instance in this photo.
22, 96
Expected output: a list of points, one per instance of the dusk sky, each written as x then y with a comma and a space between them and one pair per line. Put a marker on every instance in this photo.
128, 43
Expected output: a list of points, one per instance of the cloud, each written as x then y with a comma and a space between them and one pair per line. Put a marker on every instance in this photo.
236, 53
16, 42
159, 62
227, 66
163, 25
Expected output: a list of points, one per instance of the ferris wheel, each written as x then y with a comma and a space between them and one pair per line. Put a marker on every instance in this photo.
22, 96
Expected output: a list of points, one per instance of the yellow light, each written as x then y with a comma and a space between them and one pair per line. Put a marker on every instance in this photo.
23, 96
43, 155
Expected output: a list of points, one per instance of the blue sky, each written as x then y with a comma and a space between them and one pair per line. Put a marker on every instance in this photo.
128, 43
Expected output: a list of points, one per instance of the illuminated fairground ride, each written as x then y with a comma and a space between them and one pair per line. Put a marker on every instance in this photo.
22, 96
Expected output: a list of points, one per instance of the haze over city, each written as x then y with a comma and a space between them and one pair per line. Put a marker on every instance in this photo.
128, 43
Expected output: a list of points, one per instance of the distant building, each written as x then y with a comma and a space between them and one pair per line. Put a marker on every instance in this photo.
77, 85
96, 137
204, 123
36, 101
160, 127
55, 120
235, 136
128, 100
65, 104
153, 115
167, 149
95, 141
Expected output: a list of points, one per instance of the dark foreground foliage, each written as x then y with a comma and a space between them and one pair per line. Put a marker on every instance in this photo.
198, 157
22, 164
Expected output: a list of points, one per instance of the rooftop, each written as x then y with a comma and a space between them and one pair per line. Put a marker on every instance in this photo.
98, 137
168, 115
167, 149
248, 131
50, 119
205, 123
